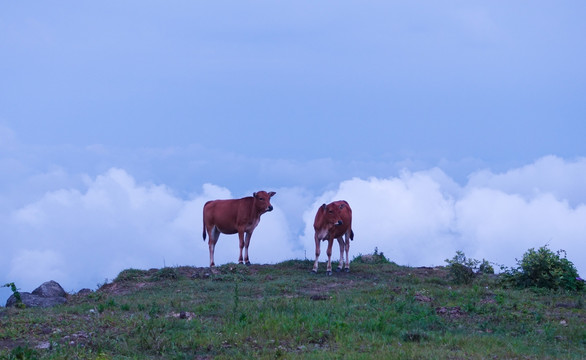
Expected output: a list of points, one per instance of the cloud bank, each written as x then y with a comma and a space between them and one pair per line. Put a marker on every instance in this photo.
423, 218
92, 229
82, 237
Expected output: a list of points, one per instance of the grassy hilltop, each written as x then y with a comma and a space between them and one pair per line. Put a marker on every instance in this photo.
378, 310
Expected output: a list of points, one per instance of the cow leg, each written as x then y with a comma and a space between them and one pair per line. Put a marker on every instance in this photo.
317, 251
214, 234
341, 263
246, 244
347, 248
241, 240
329, 253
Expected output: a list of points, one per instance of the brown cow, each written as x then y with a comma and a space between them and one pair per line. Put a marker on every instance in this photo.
333, 221
235, 216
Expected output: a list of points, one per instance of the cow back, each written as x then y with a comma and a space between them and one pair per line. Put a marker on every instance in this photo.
233, 214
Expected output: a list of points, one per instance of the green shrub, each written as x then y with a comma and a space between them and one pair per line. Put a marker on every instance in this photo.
485, 268
461, 269
545, 269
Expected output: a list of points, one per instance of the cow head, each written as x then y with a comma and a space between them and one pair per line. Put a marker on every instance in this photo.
262, 201
332, 215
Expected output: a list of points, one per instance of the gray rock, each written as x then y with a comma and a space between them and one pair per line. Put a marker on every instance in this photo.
84, 291
50, 289
48, 294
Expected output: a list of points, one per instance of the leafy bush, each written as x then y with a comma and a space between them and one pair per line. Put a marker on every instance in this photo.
463, 270
545, 269
485, 268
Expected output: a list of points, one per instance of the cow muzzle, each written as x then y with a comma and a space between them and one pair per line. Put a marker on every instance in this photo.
270, 208
340, 222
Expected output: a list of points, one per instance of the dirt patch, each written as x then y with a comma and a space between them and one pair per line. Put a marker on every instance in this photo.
450, 312
77, 338
320, 289
123, 288
195, 273
422, 298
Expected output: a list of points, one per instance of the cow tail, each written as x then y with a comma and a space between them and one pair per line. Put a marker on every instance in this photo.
204, 223
351, 234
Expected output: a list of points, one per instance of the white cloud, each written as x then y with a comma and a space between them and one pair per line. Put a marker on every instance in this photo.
422, 218
408, 218
550, 174
93, 227
501, 227
79, 237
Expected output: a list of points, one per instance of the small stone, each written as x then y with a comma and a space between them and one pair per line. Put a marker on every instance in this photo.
43, 345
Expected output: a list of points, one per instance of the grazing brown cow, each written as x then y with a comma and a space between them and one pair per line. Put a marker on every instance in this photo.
333, 221
235, 216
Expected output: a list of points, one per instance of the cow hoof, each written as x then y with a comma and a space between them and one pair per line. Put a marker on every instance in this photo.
314, 271
347, 270
247, 263
329, 273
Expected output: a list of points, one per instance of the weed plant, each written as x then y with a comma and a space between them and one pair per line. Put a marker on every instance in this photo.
16, 294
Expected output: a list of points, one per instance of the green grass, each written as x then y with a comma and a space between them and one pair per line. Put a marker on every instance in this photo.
378, 310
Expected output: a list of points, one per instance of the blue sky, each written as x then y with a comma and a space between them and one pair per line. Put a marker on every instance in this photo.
460, 122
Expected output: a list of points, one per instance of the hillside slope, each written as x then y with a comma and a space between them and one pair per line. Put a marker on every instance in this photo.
378, 310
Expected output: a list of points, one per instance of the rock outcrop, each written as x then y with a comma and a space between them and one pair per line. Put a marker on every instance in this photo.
48, 294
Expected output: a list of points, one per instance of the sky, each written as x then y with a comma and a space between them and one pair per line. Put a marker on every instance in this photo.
447, 126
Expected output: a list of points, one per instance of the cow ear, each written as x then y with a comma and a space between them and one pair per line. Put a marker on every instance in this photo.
323, 207
272, 193
254, 194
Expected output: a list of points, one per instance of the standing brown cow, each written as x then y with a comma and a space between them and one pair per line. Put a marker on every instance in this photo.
235, 216
333, 221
